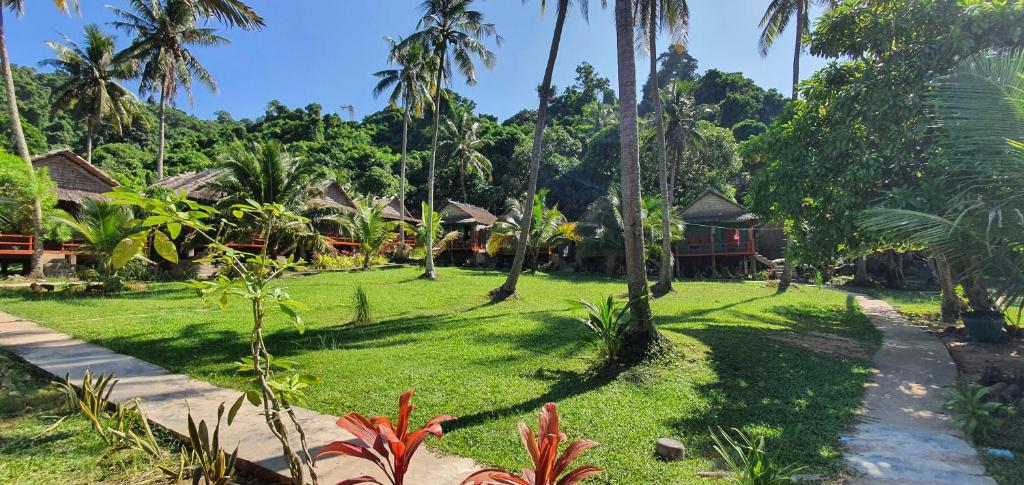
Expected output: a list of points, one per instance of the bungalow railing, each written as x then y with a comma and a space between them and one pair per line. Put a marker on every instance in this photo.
704, 246
254, 243
16, 243
70, 248
466, 246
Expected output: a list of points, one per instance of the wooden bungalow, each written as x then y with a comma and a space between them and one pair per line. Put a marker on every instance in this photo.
475, 225
197, 185
77, 181
721, 236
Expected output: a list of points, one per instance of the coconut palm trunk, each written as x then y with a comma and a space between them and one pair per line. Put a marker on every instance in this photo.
509, 288
801, 11
642, 331
665, 273
952, 305
429, 271
163, 132
406, 121
21, 145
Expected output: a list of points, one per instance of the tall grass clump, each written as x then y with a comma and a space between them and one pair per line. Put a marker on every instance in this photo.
361, 310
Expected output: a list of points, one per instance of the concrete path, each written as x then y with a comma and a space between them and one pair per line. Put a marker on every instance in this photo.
904, 437
164, 395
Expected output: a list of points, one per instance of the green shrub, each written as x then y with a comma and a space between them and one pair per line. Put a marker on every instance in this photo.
975, 416
361, 311
607, 322
341, 261
750, 460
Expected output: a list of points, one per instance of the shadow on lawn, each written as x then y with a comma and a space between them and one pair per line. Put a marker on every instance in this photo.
804, 398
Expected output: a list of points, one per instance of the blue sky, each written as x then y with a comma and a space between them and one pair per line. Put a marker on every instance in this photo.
325, 51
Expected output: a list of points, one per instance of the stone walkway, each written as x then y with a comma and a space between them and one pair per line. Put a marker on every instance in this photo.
164, 396
904, 436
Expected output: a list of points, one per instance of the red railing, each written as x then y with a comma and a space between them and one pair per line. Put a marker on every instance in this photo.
16, 244
253, 243
70, 248
705, 245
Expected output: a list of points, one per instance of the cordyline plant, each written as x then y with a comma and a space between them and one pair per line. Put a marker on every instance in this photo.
388, 445
245, 275
549, 468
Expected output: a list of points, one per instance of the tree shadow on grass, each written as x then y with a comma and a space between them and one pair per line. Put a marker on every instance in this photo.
804, 398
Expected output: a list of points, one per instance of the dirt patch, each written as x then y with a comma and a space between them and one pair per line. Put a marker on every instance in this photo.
825, 343
973, 358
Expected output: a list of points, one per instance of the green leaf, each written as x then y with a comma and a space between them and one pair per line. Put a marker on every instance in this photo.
254, 397
165, 247
237, 213
127, 249
234, 409
174, 229
155, 221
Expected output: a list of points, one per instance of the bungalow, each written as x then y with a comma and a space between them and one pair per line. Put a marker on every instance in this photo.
722, 235
474, 223
77, 181
325, 195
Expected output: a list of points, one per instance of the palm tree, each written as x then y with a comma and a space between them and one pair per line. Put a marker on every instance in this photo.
652, 16
439, 240
600, 231
548, 229
775, 20
642, 332
450, 30
509, 287
18, 7
264, 172
409, 84
164, 31
91, 92
367, 225
681, 131
653, 225
231, 12
101, 226
463, 143
267, 174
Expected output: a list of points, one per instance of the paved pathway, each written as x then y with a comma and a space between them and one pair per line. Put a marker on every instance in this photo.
904, 437
164, 394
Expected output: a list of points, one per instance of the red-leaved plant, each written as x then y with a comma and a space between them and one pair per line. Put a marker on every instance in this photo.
388, 446
548, 466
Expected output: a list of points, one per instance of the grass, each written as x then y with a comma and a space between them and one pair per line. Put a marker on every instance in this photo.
495, 365
36, 446
920, 306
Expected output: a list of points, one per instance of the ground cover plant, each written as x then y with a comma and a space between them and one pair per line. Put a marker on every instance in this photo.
494, 365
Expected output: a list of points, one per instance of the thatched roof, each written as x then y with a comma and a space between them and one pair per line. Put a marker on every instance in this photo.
195, 184
713, 206
331, 194
392, 209
463, 213
77, 180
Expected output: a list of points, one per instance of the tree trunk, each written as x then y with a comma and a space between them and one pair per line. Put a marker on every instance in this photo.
801, 13
977, 296
401, 183
642, 330
951, 303
665, 273
429, 272
787, 271
163, 130
860, 276
88, 143
462, 182
509, 287
36, 271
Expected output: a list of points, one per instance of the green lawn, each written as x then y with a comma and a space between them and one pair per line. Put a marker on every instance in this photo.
920, 306
495, 365
37, 446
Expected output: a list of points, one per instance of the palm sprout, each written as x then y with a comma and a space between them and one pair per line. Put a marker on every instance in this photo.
367, 225
980, 111
549, 227
91, 92
100, 227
